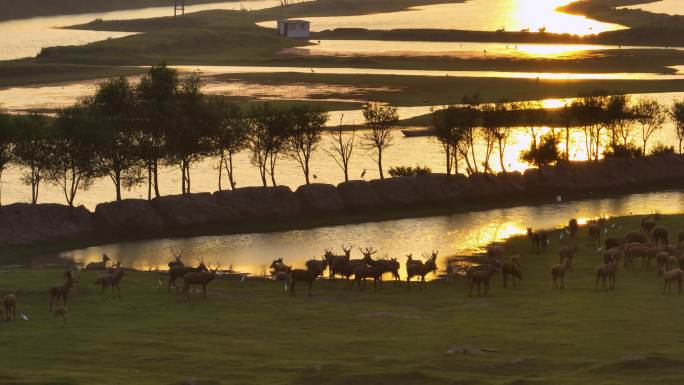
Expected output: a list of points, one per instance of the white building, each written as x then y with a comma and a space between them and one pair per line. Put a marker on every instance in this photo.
299, 29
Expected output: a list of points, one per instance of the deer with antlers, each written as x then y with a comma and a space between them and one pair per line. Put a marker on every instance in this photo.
181, 271
415, 268
177, 262
337, 260
62, 291
370, 269
99, 265
197, 278
111, 280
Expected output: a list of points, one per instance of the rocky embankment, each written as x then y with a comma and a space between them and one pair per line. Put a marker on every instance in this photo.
226, 211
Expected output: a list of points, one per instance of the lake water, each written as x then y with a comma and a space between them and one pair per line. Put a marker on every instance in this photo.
670, 7
26, 37
451, 235
479, 15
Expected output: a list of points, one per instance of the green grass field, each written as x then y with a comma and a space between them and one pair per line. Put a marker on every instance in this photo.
252, 333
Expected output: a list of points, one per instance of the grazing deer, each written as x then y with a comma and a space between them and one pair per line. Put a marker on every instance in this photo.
606, 271
110, 280
177, 262
309, 276
567, 252
482, 278
181, 271
61, 313
671, 277
511, 268
9, 303
632, 251
558, 274
573, 228
659, 235
540, 239
419, 269
99, 265
62, 291
198, 278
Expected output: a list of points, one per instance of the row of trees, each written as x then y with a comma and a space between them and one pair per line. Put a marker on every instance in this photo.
126, 132
606, 121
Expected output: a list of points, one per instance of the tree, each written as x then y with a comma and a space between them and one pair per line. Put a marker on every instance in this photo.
544, 153
379, 120
112, 109
156, 112
73, 145
305, 135
267, 139
568, 116
651, 116
449, 132
191, 138
590, 114
341, 149
677, 117
7, 138
230, 137
32, 150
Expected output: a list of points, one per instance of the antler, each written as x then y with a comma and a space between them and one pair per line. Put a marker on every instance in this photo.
177, 253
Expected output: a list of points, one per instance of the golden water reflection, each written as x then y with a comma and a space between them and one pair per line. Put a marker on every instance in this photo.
477, 15
451, 235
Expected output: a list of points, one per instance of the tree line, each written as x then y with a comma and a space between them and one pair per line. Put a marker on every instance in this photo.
126, 132
608, 123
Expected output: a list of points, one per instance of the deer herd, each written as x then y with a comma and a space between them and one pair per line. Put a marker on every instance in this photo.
647, 248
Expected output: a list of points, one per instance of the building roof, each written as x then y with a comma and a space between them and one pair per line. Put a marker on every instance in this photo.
294, 21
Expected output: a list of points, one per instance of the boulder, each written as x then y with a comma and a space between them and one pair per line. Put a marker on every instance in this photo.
396, 192
193, 210
22, 223
437, 189
128, 217
259, 203
358, 195
319, 198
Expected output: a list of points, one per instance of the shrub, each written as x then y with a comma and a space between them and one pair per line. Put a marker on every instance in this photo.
661, 150
622, 151
409, 171
545, 153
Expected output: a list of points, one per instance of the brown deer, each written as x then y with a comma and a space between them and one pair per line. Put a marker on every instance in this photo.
612, 242
482, 278
337, 260
511, 268
648, 222
635, 237
496, 252
177, 262
606, 272
111, 280
278, 267
662, 262
370, 269
61, 312
309, 276
567, 252
62, 291
181, 271
558, 274
671, 277
594, 230
99, 265
419, 269
573, 228
659, 235
540, 239
9, 303
202, 278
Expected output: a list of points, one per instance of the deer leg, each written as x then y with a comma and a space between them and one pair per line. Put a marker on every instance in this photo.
310, 284
204, 291
118, 290
470, 291
408, 282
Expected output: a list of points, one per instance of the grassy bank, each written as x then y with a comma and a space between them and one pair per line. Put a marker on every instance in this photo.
252, 333
20, 9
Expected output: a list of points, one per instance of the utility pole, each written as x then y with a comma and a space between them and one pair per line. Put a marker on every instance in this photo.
178, 6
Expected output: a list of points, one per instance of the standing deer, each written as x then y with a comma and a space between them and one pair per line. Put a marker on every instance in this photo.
181, 271
648, 222
177, 262
99, 265
370, 269
511, 268
337, 260
659, 235
540, 239
594, 230
606, 271
482, 278
202, 278
670, 277
61, 312
62, 291
110, 280
573, 228
309, 276
567, 252
558, 274
419, 269
9, 303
